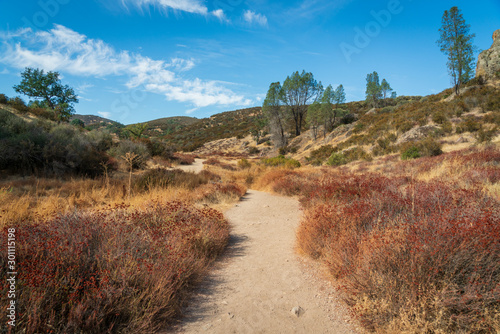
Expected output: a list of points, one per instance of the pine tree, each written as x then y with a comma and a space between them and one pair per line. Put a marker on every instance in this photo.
456, 43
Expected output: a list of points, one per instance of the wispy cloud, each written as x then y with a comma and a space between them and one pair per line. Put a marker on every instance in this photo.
188, 6
62, 49
253, 18
308, 9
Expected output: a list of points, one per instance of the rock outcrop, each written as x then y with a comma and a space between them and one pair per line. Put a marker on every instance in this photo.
488, 63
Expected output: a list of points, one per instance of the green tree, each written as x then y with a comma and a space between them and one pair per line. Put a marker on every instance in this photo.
339, 96
327, 112
298, 91
136, 130
48, 88
273, 111
373, 89
385, 88
456, 43
315, 117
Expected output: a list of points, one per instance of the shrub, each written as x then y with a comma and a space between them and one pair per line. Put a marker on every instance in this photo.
4, 99
115, 271
321, 154
184, 159
410, 153
164, 178
336, 159
158, 148
18, 104
253, 150
244, 164
127, 146
78, 123
281, 161
485, 136
439, 117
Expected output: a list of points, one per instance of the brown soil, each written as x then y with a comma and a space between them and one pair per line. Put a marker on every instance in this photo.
260, 279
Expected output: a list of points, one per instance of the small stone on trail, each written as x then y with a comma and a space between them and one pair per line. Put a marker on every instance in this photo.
297, 311
231, 316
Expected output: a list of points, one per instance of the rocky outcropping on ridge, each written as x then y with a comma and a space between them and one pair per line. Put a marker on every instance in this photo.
488, 63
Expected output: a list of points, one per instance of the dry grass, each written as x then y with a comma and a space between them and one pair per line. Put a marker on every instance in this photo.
94, 260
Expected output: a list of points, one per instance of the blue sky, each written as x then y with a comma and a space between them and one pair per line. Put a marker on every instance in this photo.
138, 60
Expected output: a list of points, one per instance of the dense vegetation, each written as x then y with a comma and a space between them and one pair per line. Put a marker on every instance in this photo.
414, 247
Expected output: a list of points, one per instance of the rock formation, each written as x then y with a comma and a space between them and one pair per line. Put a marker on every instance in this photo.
488, 63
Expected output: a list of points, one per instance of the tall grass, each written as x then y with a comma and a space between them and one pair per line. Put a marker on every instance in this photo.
91, 259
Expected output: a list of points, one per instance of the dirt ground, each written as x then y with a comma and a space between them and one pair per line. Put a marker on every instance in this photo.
261, 285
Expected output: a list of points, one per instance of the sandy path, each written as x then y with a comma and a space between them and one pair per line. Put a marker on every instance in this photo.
260, 279
196, 167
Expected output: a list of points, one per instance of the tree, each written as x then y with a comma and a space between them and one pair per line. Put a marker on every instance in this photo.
298, 91
328, 115
373, 89
456, 43
385, 88
136, 130
315, 117
339, 96
273, 111
394, 95
48, 88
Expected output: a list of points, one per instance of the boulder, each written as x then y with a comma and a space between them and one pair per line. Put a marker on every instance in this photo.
418, 133
488, 63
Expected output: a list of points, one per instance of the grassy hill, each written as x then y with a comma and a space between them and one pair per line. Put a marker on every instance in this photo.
228, 124
164, 126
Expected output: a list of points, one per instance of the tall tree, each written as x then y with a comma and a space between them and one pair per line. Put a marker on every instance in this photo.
315, 118
385, 88
298, 91
456, 43
273, 111
339, 96
373, 89
48, 88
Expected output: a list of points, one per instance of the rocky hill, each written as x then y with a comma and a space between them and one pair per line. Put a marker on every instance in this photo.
488, 65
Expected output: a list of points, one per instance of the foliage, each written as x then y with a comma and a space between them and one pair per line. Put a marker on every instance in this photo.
385, 89
275, 114
48, 88
127, 146
163, 178
428, 147
281, 161
298, 91
244, 164
456, 43
78, 123
373, 89
112, 271
410, 255
410, 153
45, 149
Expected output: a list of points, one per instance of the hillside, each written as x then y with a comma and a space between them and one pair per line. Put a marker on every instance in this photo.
450, 121
238, 123
164, 126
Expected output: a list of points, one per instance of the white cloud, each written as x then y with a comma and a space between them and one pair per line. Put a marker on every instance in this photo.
190, 6
104, 114
252, 17
62, 49
219, 13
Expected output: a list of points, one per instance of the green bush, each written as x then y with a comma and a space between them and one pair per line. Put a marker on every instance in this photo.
321, 154
281, 161
336, 159
410, 153
428, 147
4, 99
78, 123
439, 117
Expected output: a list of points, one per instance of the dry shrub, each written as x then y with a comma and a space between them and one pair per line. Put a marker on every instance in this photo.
115, 270
184, 159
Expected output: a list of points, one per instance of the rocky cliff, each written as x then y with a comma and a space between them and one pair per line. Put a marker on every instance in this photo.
488, 64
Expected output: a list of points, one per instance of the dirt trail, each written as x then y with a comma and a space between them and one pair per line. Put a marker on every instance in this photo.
260, 279
196, 167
